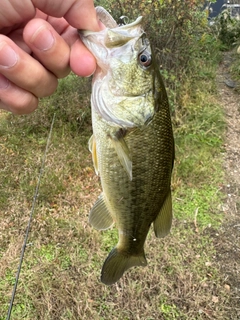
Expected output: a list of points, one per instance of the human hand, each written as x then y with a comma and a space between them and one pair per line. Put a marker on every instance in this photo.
39, 43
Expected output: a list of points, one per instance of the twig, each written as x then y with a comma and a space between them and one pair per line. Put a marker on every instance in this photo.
195, 220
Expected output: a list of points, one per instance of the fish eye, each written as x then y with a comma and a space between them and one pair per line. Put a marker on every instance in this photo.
145, 59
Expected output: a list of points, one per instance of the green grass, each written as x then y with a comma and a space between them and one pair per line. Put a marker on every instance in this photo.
199, 147
63, 258
235, 67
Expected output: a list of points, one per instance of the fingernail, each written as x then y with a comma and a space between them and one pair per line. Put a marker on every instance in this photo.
8, 57
4, 82
43, 39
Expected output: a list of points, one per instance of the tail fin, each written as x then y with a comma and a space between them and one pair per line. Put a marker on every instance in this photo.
117, 263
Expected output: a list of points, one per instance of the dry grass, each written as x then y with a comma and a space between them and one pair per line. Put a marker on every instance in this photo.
61, 269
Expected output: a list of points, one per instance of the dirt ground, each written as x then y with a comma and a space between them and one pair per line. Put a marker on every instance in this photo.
227, 241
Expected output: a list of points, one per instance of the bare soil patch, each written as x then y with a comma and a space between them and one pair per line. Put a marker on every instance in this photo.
227, 241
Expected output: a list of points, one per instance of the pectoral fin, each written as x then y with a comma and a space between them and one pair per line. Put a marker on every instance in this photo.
123, 153
100, 217
92, 148
163, 222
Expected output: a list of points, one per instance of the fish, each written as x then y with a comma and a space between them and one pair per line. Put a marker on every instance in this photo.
132, 144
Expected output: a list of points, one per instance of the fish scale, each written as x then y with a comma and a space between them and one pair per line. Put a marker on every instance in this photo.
132, 144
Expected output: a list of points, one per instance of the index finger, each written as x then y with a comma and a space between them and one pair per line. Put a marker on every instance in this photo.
80, 14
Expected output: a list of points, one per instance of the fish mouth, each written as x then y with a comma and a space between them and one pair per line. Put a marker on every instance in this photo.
105, 17
114, 36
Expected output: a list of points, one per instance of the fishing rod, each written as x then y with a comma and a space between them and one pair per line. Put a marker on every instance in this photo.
29, 221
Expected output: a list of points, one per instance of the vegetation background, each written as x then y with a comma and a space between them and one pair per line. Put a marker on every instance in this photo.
62, 263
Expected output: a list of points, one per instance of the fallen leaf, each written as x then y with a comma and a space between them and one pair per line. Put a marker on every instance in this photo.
227, 287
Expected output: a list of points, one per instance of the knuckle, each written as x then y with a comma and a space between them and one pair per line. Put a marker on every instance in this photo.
19, 102
42, 84
27, 103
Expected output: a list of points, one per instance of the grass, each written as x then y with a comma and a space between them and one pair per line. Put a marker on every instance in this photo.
199, 148
235, 67
60, 273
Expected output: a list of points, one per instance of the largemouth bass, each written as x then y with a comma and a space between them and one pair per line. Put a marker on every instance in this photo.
132, 144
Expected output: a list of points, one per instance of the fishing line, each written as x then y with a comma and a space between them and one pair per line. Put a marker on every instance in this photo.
30, 220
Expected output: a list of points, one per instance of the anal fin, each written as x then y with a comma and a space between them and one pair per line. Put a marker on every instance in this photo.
100, 217
163, 222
